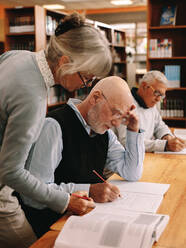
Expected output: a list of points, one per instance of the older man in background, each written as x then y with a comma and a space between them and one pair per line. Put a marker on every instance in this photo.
158, 136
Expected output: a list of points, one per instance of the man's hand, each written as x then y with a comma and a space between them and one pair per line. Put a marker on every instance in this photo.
132, 121
80, 206
175, 144
104, 192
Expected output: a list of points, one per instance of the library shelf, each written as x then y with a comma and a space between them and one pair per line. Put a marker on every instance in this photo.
177, 89
173, 38
174, 118
167, 27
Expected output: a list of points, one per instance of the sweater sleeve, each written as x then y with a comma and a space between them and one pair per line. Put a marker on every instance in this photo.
25, 109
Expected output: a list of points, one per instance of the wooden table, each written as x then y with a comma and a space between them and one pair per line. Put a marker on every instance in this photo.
158, 168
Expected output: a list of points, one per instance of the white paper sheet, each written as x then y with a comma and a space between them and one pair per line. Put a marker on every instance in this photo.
136, 196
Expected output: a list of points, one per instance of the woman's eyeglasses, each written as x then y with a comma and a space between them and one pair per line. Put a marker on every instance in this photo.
88, 82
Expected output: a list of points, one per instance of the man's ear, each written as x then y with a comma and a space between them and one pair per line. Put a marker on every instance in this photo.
95, 97
63, 60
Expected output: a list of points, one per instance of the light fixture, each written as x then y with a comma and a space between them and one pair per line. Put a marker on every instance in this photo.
53, 6
121, 2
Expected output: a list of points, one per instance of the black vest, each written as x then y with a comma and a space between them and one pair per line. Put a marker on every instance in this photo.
81, 153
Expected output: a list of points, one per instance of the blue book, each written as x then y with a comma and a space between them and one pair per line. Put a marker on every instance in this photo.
168, 16
173, 74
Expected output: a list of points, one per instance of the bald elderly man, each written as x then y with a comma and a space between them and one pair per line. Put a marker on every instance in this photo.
76, 140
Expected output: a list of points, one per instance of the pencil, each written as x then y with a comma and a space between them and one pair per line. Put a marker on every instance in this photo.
82, 197
97, 174
102, 178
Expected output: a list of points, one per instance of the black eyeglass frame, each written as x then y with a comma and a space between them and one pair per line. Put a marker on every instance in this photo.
89, 82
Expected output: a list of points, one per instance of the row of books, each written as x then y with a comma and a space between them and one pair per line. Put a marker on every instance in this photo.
159, 48
22, 24
172, 108
118, 38
24, 45
57, 94
26, 24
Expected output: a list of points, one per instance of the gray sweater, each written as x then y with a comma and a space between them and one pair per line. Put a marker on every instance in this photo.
23, 102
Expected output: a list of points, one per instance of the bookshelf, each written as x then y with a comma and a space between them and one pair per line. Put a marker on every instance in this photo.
117, 41
24, 28
158, 56
30, 28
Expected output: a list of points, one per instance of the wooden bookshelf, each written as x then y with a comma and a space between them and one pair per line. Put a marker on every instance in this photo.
27, 27
117, 41
177, 34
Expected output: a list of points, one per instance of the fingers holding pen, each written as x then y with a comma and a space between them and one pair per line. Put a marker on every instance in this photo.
175, 144
80, 203
104, 192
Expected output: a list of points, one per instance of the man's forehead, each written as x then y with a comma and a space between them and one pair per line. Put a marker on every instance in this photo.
158, 85
124, 107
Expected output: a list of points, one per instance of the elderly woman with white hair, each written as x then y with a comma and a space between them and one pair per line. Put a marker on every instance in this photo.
75, 55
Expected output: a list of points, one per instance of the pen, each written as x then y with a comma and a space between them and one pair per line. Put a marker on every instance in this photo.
82, 197
97, 174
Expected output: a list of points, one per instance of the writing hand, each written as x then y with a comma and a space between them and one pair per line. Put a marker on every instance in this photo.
175, 144
104, 192
79, 205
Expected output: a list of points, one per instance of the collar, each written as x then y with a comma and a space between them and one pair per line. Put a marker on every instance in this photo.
138, 99
72, 102
45, 69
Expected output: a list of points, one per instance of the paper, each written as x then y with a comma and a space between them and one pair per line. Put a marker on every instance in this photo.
182, 152
136, 196
180, 133
142, 187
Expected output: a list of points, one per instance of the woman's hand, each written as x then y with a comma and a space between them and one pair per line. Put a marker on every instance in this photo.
80, 203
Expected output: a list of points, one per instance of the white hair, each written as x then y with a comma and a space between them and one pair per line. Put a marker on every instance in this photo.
87, 49
152, 76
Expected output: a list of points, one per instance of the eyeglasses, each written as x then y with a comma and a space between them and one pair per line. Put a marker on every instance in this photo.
88, 82
157, 93
115, 113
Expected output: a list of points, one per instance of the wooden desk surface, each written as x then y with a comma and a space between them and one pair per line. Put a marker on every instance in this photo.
158, 168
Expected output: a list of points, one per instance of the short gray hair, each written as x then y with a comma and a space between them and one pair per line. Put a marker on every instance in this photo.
152, 76
86, 47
